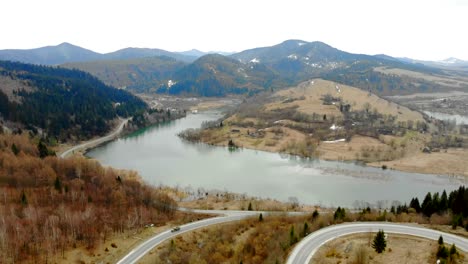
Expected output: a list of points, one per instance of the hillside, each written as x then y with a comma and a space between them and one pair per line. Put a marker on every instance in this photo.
66, 104
217, 75
51, 205
145, 74
328, 120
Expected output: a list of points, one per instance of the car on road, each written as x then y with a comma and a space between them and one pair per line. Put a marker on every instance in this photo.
175, 229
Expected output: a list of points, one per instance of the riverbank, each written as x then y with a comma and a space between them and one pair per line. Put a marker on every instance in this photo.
66, 150
397, 153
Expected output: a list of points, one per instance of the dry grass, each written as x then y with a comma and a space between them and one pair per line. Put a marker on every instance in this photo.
356, 249
356, 149
456, 82
206, 105
214, 202
307, 97
446, 162
269, 139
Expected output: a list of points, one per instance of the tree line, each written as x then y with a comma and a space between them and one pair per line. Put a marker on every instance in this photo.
64, 102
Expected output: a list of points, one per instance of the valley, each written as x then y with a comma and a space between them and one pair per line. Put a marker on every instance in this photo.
145, 137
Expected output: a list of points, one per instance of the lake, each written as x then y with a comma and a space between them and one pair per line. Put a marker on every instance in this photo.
161, 157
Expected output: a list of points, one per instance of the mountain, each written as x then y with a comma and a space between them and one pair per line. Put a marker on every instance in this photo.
193, 53
50, 55
68, 53
66, 104
450, 63
141, 75
217, 75
135, 53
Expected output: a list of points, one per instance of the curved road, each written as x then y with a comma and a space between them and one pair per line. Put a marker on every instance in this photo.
304, 250
97, 141
146, 246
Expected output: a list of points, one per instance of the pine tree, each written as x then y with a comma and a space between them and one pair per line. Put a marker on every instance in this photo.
315, 214
260, 218
426, 206
58, 184
441, 240
453, 250
305, 232
14, 149
379, 243
250, 206
24, 199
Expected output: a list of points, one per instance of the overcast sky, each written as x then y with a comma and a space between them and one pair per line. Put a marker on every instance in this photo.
427, 29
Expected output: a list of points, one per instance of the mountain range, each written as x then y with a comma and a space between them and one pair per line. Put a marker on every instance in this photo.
267, 68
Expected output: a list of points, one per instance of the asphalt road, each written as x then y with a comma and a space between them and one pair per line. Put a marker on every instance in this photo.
95, 142
146, 246
305, 249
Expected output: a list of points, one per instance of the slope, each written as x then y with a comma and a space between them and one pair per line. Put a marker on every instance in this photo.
65, 103
217, 75
145, 74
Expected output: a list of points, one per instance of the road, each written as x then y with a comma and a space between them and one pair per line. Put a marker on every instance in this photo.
97, 141
304, 250
146, 246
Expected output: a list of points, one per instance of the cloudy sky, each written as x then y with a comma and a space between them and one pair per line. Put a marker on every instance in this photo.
427, 29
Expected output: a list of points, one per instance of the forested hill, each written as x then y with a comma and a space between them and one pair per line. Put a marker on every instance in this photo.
65, 103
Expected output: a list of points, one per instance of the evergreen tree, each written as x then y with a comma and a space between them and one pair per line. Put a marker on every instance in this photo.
426, 206
305, 232
260, 218
379, 243
340, 213
443, 205
249, 208
441, 240
43, 151
315, 214
453, 250
14, 149
24, 199
292, 236
58, 184
415, 205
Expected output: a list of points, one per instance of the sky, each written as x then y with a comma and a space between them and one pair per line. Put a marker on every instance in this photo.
426, 30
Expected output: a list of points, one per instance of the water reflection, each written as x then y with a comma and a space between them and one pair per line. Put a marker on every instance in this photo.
163, 158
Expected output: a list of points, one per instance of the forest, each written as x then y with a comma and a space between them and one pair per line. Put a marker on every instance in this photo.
65, 103
49, 205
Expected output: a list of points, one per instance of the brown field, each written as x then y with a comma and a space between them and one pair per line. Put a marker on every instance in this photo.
447, 162
351, 150
400, 249
455, 82
307, 97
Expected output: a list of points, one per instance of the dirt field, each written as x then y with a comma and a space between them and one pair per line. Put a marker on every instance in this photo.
400, 249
